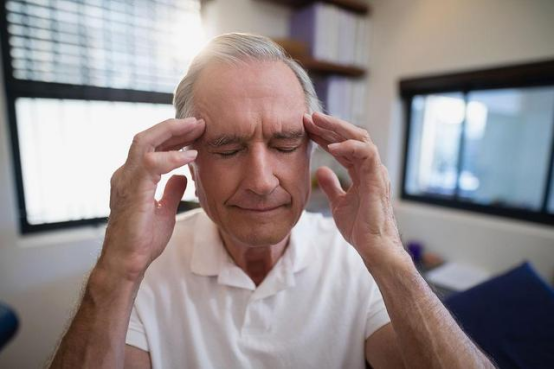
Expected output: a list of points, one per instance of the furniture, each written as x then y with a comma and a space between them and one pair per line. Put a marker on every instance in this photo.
313, 65
511, 317
8, 324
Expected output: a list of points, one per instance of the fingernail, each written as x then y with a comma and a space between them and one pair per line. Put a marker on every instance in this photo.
333, 146
189, 154
201, 121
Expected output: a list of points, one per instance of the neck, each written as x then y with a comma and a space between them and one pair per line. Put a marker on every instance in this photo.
255, 261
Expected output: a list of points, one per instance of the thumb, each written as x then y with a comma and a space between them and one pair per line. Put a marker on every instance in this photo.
329, 183
173, 192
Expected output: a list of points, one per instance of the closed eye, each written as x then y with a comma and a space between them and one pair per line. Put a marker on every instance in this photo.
228, 153
287, 150
231, 153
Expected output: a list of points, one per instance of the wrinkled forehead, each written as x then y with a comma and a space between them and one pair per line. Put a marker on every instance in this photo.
249, 98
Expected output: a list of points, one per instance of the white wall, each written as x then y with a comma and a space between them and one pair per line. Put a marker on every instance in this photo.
265, 18
423, 37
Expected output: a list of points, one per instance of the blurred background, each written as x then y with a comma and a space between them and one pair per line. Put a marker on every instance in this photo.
458, 95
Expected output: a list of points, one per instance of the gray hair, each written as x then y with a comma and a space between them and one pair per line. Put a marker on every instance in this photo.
234, 48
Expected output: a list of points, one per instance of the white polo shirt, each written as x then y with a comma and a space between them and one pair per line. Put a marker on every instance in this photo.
196, 309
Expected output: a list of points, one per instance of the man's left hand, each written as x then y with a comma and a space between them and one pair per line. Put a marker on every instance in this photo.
363, 213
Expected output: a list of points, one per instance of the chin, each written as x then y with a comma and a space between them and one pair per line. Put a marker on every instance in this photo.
260, 233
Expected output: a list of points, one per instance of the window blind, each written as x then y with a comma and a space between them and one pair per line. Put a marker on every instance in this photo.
125, 44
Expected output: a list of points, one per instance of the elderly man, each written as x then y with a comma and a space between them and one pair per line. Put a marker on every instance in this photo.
252, 280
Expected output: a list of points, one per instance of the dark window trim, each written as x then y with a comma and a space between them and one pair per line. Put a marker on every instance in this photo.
15, 88
534, 74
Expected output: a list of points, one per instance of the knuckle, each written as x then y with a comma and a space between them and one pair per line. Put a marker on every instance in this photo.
149, 160
365, 136
118, 190
373, 152
374, 148
114, 180
138, 139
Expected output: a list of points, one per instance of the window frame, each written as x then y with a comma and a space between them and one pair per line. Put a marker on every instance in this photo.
534, 74
15, 89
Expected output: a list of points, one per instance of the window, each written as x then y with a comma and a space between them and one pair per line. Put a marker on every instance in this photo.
482, 141
82, 78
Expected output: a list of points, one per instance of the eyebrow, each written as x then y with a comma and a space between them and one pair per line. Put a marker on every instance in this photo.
226, 139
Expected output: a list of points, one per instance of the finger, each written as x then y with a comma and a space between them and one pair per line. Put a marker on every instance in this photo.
355, 149
173, 193
324, 144
329, 183
344, 129
159, 163
320, 141
328, 135
168, 148
187, 130
175, 143
181, 141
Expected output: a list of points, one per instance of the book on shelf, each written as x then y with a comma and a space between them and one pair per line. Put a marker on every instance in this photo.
343, 98
332, 34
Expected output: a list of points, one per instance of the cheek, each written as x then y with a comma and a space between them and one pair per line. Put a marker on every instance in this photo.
216, 180
294, 173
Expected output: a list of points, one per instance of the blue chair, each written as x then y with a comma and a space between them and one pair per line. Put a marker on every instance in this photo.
8, 324
511, 317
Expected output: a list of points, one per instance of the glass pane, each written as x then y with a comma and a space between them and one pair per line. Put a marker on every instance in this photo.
70, 149
435, 131
507, 147
109, 44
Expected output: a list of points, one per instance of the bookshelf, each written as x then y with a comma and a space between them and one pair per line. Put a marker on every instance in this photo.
299, 50
320, 67
355, 6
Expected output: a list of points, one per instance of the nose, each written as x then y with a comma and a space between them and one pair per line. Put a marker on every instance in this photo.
259, 175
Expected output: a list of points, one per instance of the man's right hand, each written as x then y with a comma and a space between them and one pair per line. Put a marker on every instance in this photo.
140, 227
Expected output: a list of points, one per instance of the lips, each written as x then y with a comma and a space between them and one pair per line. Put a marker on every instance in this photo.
246, 201
260, 209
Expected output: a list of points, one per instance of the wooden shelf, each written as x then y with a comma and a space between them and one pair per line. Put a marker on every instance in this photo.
355, 6
299, 51
322, 67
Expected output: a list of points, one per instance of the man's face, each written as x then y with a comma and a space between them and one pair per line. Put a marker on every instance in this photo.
252, 170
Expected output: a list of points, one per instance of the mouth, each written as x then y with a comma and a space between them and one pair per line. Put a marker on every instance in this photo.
259, 209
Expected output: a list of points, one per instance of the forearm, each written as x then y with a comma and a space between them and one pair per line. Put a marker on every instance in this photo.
96, 337
427, 334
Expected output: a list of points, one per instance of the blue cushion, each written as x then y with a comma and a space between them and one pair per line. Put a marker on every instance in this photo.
511, 317
8, 324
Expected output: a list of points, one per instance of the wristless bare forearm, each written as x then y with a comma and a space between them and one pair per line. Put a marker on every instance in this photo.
96, 336
427, 334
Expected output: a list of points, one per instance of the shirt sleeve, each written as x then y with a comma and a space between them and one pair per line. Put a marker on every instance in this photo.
377, 315
136, 335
